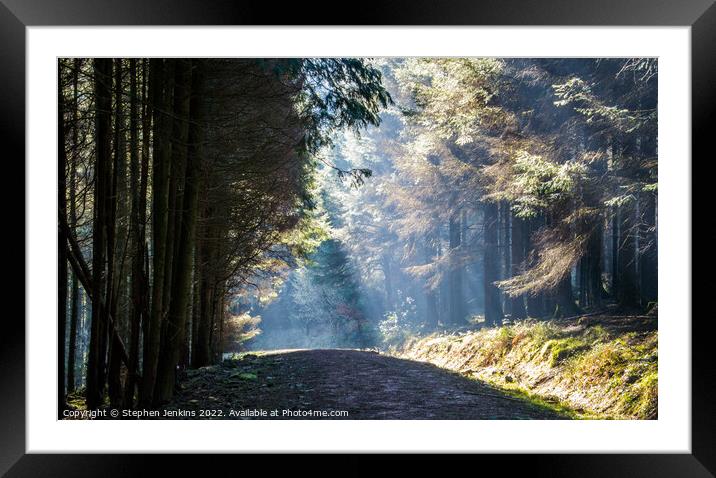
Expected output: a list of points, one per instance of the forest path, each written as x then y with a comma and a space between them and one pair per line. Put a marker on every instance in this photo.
366, 384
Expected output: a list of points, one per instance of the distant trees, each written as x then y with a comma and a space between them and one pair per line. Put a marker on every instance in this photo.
326, 300
516, 187
180, 180
593, 172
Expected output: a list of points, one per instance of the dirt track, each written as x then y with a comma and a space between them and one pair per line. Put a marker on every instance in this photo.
365, 384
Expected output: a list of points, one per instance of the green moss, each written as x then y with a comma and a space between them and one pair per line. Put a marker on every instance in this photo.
625, 366
78, 403
558, 350
604, 371
641, 399
551, 403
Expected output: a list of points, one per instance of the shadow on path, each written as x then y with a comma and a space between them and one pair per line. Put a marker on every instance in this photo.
366, 384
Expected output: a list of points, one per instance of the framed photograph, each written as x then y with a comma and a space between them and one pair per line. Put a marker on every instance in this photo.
431, 229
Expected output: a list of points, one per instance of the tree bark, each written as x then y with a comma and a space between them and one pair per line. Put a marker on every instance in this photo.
431, 299
179, 129
388, 281
117, 236
504, 238
62, 247
648, 237
493, 310
517, 251
564, 300
179, 304
593, 277
144, 180
196, 298
648, 263
160, 94
535, 302
75, 293
202, 355
628, 294
103, 125
455, 275
137, 187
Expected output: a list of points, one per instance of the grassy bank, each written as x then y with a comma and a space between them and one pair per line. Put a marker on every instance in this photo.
594, 367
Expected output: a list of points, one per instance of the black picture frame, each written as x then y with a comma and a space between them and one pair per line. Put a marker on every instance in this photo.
700, 15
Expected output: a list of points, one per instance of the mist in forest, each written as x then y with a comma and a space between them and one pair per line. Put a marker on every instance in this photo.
499, 190
209, 207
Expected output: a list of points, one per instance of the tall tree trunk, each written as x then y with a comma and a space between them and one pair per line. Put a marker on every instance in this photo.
179, 128
648, 238
626, 264
61, 246
431, 300
628, 294
443, 290
82, 338
386, 260
219, 313
202, 353
504, 238
144, 180
185, 353
615, 251
517, 251
118, 240
564, 299
219, 352
648, 263
580, 270
186, 222
160, 94
215, 319
137, 176
535, 302
75, 293
594, 263
493, 310
103, 160
72, 348
196, 298
456, 301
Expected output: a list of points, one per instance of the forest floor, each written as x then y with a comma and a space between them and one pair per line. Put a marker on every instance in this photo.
292, 384
595, 366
